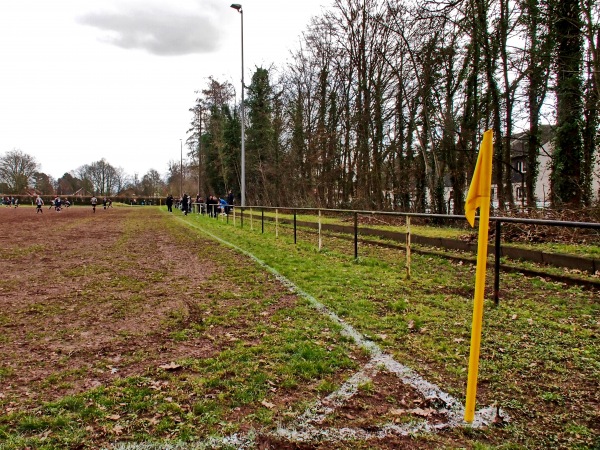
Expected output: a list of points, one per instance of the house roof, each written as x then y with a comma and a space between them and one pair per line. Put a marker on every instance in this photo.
518, 144
81, 192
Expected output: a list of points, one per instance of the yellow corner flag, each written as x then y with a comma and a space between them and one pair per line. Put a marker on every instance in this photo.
479, 191
478, 196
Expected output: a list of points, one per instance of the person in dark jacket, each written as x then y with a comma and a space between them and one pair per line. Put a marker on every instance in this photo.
170, 203
211, 205
230, 199
185, 202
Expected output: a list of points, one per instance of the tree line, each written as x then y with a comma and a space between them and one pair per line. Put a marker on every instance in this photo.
384, 103
382, 106
20, 174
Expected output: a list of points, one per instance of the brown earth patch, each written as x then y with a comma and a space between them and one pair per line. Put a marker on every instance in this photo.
79, 316
384, 399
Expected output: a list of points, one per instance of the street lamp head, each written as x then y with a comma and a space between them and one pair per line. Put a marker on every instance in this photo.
237, 6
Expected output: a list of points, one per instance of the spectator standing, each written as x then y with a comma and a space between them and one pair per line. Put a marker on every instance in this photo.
170, 203
223, 206
185, 203
216, 207
198, 203
212, 206
230, 200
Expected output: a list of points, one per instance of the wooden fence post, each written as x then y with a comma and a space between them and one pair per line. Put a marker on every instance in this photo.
320, 239
355, 235
497, 263
407, 247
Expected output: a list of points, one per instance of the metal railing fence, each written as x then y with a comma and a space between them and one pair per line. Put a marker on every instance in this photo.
439, 218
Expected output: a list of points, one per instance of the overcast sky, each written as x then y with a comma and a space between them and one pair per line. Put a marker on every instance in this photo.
82, 80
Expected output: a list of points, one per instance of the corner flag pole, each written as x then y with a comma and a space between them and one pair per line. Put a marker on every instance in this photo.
478, 196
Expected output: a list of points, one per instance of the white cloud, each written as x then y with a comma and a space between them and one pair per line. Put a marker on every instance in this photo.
160, 30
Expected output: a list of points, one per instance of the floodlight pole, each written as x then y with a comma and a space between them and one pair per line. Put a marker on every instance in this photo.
238, 7
181, 171
199, 149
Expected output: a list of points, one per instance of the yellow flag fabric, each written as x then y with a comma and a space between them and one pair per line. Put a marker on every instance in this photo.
479, 196
479, 191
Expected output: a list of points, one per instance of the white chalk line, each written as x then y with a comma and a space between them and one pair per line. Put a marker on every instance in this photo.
305, 428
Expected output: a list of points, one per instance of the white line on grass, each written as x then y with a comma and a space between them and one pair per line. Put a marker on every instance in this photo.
305, 428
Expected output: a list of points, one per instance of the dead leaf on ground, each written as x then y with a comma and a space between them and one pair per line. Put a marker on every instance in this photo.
422, 412
170, 366
267, 404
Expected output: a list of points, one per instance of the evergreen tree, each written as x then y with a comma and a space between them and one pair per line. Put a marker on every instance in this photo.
260, 139
567, 158
220, 160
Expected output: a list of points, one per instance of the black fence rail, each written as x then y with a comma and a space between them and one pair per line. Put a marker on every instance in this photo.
589, 265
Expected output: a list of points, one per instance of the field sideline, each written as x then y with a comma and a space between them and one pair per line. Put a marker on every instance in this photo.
134, 326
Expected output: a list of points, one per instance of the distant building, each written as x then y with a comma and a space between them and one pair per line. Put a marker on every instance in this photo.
518, 163
519, 168
81, 192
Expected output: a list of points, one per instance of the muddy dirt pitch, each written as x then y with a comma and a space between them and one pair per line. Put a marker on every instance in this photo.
84, 300
121, 326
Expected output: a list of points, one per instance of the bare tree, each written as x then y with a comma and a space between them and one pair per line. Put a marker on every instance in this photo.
152, 184
101, 177
16, 170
